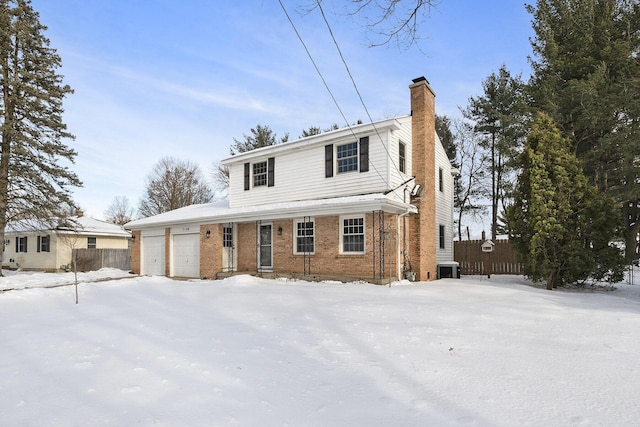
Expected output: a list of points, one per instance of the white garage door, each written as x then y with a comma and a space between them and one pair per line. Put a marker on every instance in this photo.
186, 255
153, 255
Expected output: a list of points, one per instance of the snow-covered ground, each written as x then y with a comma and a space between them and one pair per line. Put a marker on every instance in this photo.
246, 351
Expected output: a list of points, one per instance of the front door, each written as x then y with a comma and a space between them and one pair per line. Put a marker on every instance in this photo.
229, 254
265, 243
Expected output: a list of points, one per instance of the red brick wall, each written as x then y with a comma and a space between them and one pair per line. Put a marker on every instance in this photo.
167, 251
422, 231
246, 246
135, 252
327, 259
210, 250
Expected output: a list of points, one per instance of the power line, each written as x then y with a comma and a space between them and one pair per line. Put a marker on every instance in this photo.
330, 92
335, 42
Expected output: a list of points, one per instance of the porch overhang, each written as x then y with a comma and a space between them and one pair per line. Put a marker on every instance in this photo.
218, 213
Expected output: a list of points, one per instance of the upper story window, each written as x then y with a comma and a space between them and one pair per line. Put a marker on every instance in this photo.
352, 235
43, 244
305, 236
442, 230
347, 157
259, 174
350, 157
440, 180
91, 242
402, 157
21, 244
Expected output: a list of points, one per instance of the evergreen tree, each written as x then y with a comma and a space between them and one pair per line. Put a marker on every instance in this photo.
33, 184
173, 184
443, 129
560, 224
261, 136
501, 115
586, 75
313, 130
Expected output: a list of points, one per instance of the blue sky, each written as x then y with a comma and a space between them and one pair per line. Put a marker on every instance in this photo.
156, 78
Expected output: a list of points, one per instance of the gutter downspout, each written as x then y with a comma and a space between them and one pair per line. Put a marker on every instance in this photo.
405, 271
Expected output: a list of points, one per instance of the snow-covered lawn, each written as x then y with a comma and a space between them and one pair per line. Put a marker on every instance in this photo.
251, 352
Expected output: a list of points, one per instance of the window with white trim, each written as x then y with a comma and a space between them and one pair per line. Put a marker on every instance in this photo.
352, 234
43, 244
440, 180
91, 243
402, 157
442, 236
347, 155
259, 174
21, 244
304, 236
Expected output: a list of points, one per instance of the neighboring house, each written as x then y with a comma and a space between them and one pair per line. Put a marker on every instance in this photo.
372, 202
49, 248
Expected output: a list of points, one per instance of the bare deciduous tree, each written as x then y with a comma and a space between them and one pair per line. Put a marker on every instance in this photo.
397, 21
173, 184
471, 162
119, 211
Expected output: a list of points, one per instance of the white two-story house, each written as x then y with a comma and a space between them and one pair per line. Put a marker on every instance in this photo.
371, 202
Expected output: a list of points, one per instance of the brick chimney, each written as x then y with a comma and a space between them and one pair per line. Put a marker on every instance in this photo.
422, 228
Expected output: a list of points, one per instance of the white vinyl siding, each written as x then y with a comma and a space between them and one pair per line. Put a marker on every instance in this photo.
301, 167
444, 204
403, 135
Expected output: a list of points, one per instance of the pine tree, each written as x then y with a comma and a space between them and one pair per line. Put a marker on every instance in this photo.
33, 184
560, 224
586, 76
261, 136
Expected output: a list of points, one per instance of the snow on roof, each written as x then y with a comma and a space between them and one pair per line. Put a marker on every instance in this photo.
82, 225
219, 212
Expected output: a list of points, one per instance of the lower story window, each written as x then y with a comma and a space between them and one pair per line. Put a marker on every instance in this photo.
21, 244
91, 243
305, 237
352, 235
43, 244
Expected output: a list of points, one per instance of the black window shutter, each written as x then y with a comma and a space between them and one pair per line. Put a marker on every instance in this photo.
25, 244
328, 161
364, 154
247, 171
16, 244
38, 245
270, 171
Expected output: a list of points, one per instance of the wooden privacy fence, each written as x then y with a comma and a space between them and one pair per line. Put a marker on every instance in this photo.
503, 259
95, 259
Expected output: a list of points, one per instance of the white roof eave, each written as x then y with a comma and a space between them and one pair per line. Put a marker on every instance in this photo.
287, 211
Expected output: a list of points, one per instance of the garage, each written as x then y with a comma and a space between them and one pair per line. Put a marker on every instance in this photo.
153, 256
186, 255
